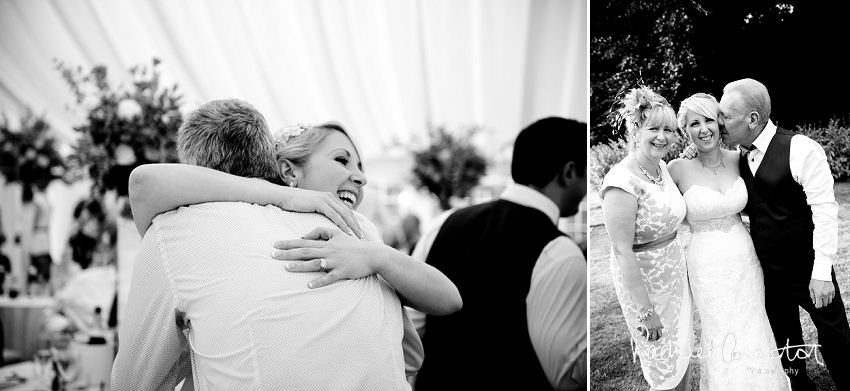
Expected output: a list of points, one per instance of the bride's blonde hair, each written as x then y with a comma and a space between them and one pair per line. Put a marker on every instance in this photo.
700, 103
297, 142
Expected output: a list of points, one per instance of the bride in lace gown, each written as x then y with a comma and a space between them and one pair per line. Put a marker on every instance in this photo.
738, 348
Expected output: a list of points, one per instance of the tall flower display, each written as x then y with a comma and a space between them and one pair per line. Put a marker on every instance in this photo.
124, 127
449, 167
28, 154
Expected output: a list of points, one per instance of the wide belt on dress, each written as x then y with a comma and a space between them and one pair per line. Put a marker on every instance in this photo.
655, 244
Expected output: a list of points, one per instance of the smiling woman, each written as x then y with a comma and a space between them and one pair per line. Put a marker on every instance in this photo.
322, 158
643, 210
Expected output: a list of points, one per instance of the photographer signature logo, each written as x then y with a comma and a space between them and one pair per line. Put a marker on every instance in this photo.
728, 349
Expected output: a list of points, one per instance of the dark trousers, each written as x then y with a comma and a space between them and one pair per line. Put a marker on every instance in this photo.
782, 302
42, 264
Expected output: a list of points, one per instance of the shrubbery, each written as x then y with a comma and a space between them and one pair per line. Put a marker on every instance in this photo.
603, 157
835, 140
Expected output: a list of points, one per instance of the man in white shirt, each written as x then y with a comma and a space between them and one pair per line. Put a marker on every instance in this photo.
794, 226
248, 323
523, 282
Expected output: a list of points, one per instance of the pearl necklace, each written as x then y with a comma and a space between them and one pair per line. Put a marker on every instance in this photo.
659, 180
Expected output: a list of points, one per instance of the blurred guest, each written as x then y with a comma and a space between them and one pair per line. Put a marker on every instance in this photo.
523, 282
39, 246
92, 234
5, 266
406, 237
83, 243
59, 333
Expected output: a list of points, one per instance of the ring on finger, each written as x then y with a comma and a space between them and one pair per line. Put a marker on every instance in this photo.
323, 264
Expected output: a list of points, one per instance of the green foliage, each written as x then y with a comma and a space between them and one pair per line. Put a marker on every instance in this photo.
449, 167
603, 157
835, 140
28, 155
644, 42
143, 118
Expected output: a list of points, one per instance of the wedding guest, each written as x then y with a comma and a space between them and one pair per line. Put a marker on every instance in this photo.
245, 320
643, 209
5, 267
39, 244
523, 281
405, 238
59, 332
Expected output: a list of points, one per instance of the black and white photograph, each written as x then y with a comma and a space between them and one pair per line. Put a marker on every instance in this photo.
294, 194
719, 201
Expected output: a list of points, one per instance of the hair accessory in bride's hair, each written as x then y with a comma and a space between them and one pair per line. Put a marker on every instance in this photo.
288, 132
636, 104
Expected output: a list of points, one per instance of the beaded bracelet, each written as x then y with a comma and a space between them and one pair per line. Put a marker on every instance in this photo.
645, 314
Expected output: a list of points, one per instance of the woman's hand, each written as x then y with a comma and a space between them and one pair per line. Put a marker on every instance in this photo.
328, 204
417, 284
650, 328
344, 257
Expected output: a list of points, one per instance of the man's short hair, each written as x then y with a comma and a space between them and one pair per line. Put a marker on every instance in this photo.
229, 135
543, 148
754, 97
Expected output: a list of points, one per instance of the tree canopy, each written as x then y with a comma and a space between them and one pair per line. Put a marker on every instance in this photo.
680, 47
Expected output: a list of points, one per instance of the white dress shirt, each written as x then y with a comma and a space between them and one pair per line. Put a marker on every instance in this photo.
252, 324
556, 305
810, 169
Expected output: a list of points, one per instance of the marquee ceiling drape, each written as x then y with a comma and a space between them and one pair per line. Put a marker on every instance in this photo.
384, 68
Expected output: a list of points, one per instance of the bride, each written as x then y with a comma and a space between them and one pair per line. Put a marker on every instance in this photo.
738, 348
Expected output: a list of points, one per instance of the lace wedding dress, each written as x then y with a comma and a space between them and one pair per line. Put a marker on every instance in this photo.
738, 351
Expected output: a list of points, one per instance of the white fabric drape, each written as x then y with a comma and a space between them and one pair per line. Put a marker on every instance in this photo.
384, 68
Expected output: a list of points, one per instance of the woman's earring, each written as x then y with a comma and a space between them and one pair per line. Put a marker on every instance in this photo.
291, 183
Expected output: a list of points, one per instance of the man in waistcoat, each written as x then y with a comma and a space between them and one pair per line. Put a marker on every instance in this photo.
523, 282
794, 227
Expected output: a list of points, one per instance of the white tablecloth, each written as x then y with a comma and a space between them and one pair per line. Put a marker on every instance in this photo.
22, 319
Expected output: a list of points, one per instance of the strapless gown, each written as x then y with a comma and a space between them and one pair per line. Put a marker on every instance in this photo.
738, 351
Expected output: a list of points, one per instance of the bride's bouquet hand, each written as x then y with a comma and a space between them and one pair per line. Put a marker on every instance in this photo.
330, 250
328, 204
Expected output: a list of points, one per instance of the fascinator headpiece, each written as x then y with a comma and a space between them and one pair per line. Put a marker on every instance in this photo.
637, 104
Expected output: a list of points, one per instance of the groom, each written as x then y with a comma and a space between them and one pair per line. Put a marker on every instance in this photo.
794, 226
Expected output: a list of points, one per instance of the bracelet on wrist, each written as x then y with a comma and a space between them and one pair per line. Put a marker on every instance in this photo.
645, 314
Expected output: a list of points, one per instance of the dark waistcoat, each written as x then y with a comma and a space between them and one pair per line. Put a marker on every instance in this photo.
780, 218
488, 251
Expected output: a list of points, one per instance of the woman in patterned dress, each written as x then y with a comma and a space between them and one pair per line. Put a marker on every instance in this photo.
643, 210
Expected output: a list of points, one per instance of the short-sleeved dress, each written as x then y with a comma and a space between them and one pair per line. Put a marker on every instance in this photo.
664, 272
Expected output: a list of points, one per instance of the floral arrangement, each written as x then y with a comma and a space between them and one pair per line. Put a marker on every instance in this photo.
29, 155
449, 167
636, 103
124, 128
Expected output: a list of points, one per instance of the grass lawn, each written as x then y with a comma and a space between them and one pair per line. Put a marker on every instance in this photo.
611, 364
